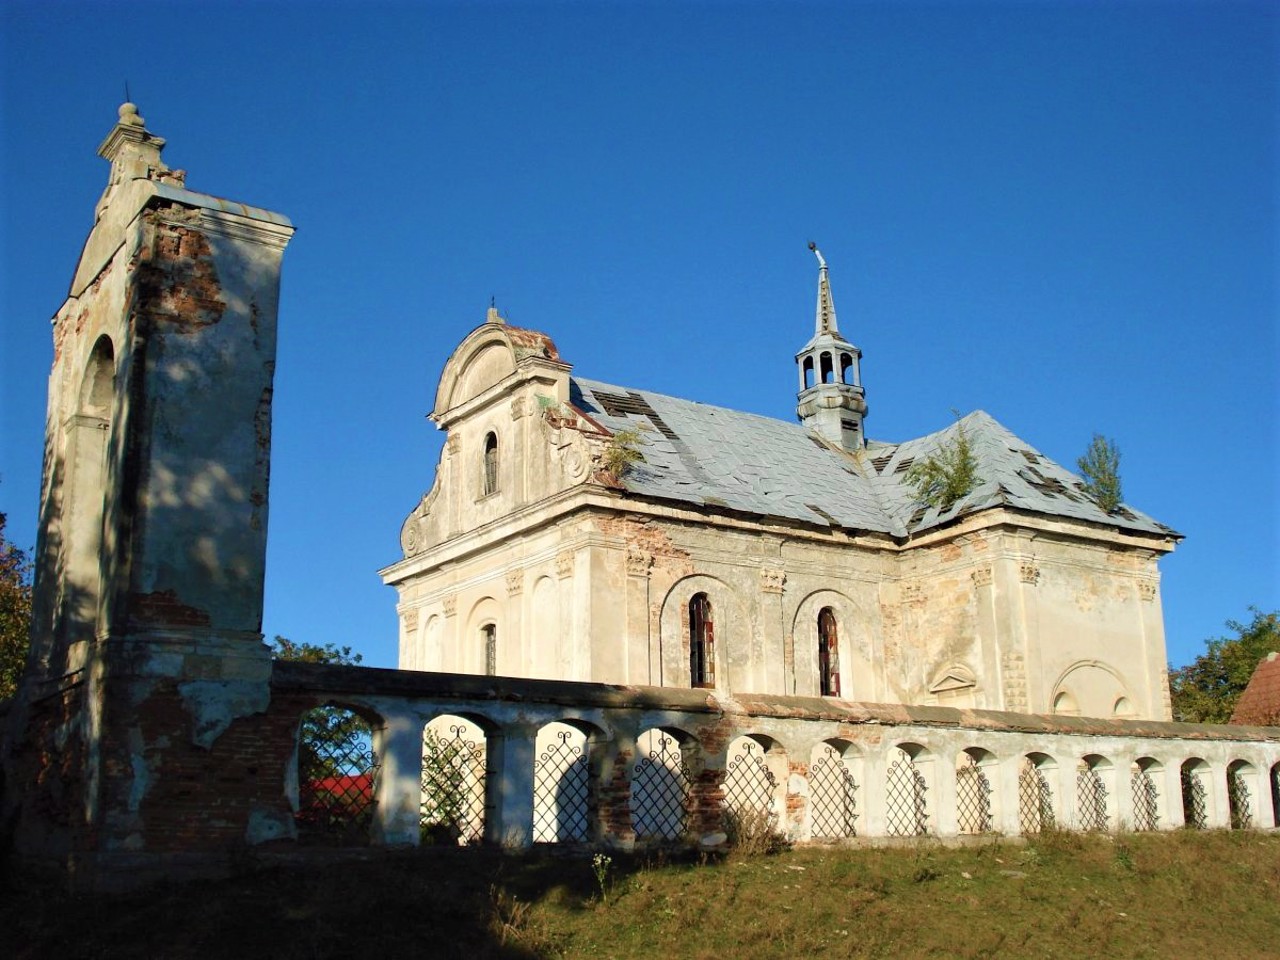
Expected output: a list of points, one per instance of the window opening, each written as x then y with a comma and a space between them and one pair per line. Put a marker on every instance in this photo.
490, 484
702, 654
828, 654
490, 633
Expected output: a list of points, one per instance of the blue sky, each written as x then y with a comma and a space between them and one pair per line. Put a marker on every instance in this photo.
1064, 214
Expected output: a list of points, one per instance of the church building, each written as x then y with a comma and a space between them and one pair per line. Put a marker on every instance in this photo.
582, 530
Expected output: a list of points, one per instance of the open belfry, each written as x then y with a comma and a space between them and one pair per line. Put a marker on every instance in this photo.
626, 619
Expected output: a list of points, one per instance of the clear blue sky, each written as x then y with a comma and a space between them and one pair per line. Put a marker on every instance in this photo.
1064, 214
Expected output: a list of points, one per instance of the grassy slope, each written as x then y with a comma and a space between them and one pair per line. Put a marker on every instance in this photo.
1201, 895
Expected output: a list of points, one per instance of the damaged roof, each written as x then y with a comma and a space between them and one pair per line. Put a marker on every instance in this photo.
711, 456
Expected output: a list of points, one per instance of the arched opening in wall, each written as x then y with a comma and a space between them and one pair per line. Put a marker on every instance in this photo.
702, 642
337, 772
835, 769
1037, 809
906, 803
1123, 708
1146, 795
828, 654
1275, 795
1093, 793
1194, 779
564, 782
974, 813
826, 368
455, 783
1065, 704
660, 784
754, 778
846, 368
489, 466
489, 647
807, 369
88, 433
1240, 782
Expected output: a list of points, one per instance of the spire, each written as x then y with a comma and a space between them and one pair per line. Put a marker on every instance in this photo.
832, 402
825, 322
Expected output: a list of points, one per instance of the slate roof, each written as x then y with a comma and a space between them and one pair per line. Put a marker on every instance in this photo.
1260, 702
711, 456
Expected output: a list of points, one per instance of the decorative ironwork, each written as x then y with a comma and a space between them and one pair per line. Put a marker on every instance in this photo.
337, 774
1275, 794
562, 792
1195, 807
660, 791
453, 785
831, 795
749, 785
1091, 799
1035, 799
907, 807
1239, 800
1146, 809
973, 797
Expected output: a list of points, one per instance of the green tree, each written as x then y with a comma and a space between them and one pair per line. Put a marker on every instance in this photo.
946, 475
15, 613
1206, 690
1100, 466
282, 648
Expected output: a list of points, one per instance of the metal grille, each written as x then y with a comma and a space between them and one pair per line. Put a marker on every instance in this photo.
907, 807
337, 771
1275, 794
1091, 799
973, 797
1239, 800
562, 791
1035, 800
1146, 811
660, 790
831, 793
1195, 810
453, 781
749, 784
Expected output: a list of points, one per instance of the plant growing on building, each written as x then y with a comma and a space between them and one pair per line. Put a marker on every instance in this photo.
621, 452
948, 474
1100, 466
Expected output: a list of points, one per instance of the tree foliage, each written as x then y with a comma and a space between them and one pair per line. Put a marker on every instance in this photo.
1206, 690
1100, 466
946, 475
282, 648
15, 613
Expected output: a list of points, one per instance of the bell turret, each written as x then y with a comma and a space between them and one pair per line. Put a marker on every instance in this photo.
831, 399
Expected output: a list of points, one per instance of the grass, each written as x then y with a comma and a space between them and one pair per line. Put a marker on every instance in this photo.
1186, 894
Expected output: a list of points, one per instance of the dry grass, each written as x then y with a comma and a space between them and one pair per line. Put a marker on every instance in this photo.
1203, 895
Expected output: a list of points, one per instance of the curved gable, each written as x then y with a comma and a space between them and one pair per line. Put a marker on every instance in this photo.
485, 357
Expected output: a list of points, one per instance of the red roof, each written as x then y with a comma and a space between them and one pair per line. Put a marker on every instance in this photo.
1259, 705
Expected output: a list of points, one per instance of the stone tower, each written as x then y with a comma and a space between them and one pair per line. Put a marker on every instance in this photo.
146, 634
831, 400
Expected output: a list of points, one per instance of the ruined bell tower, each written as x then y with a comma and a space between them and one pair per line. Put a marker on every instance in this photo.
146, 635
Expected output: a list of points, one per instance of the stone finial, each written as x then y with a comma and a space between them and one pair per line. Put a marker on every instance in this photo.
493, 316
134, 154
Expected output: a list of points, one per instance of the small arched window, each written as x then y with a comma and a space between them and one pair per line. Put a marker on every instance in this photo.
826, 371
489, 634
828, 654
489, 483
702, 644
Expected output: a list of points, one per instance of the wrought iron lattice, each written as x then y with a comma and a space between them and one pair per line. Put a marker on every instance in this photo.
749, 785
973, 797
337, 772
1091, 799
907, 807
1275, 794
1035, 800
1239, 800
660, 791
1195, 808
453, 785
562, 792
1146, 810
831, 795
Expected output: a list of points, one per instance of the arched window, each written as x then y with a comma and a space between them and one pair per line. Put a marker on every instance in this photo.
702, 645
828, 654
489, 633
490, 479
826, 370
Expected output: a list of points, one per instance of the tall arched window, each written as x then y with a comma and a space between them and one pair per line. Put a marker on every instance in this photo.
702, 644
828, 654
489, 482
489, 633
